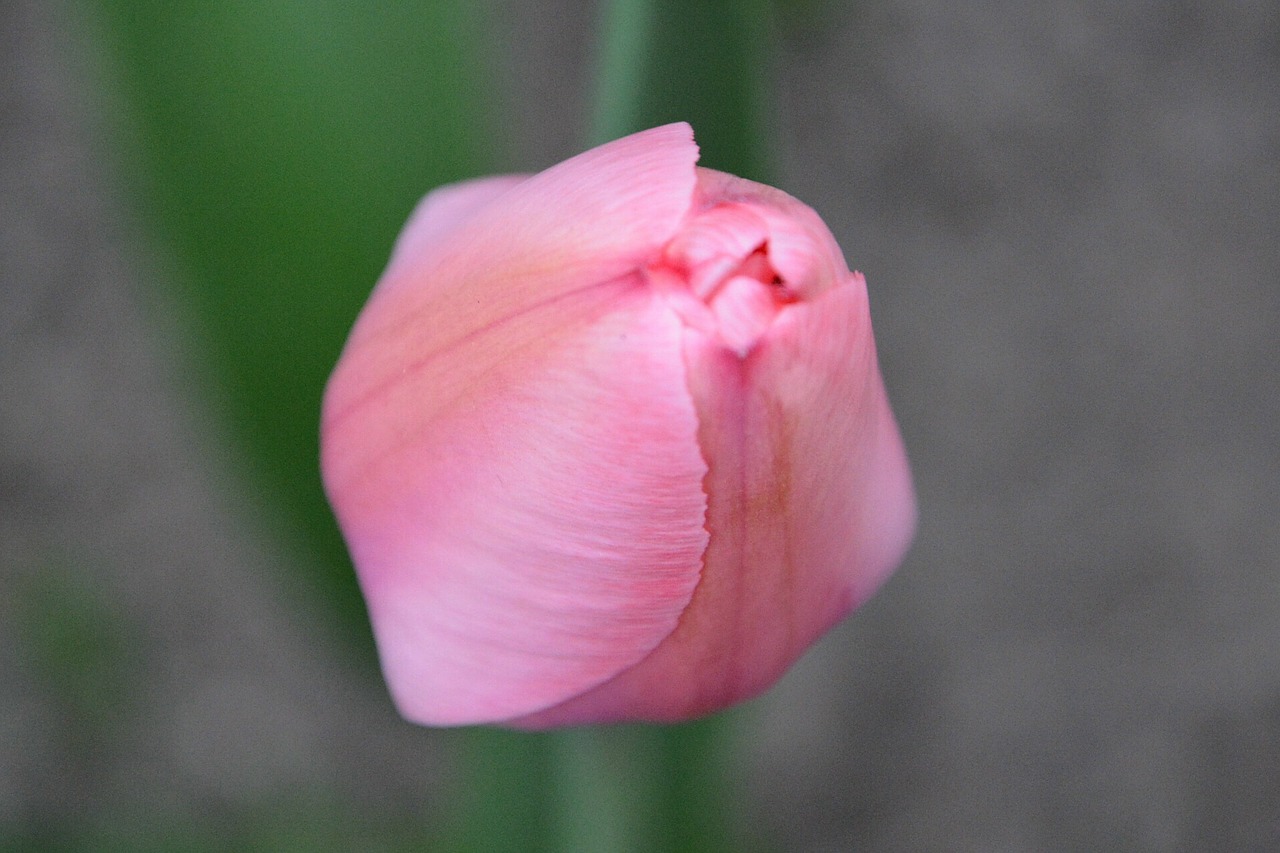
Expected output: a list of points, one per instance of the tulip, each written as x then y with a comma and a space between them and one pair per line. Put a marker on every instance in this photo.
610, 442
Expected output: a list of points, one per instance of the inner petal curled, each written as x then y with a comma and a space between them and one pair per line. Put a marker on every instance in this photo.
718, 275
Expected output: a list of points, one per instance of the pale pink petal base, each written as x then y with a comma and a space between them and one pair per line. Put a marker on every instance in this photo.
543, 534
811, 507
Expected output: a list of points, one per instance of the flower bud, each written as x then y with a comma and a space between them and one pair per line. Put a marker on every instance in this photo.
610, 443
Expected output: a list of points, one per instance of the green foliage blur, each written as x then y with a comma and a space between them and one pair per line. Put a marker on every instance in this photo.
278, 147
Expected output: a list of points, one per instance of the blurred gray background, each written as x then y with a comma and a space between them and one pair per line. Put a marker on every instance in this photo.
1068, 217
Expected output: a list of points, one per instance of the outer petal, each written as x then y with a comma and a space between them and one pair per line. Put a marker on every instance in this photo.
510, 446
810, 508
498, 284
546, 532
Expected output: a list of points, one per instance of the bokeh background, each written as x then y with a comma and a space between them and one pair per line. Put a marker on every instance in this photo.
1068, 217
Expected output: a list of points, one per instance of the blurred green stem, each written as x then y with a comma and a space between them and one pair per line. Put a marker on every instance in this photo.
700, 61
596, 776
598, 789
640, 788
504, 800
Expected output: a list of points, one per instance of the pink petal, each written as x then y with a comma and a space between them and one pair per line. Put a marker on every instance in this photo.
811, 507
744, 309
801, 247
581, 224
510, 446
590, 219
440, 211
546, 531
711, 246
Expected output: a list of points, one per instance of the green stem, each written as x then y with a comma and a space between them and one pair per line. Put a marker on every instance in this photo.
626, 32
635, 789
700, 61
504, 799
597, 810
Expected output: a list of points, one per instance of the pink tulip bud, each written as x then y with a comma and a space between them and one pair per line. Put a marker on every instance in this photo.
610, 443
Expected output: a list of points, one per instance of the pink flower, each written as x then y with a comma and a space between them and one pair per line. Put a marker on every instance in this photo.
610, 443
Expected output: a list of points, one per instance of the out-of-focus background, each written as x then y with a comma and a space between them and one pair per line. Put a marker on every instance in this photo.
1068, 215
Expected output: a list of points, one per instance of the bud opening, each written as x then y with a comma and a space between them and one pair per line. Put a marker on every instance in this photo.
719, 278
